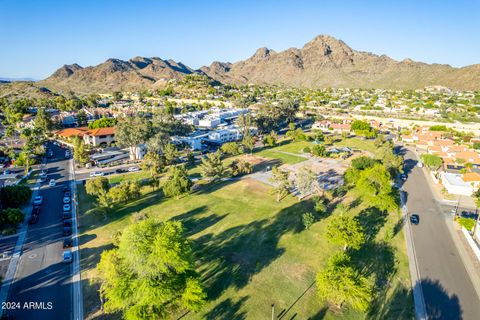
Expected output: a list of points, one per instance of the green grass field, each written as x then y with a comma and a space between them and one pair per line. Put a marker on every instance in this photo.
251, 252
358, 143
285, 152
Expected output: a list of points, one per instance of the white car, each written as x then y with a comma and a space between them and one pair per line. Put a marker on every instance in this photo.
66, 199
43, 177
66, 207
67, 256
96, 174
52, 183
37, 200
133, 169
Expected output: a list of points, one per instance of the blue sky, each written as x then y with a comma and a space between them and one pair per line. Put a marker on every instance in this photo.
37, 37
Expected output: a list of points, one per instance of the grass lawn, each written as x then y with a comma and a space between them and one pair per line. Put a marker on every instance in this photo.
358, 143
285, 151
139, 175
251, 252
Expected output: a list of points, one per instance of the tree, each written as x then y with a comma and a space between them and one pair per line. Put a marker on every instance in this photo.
15, 196
374, 187
11, 216
270, 139
248, 141
231, 148
431, 161
125, 191
476, 195
362, 163
308, 219
97, 186
43, 121
102, 123
177, 182
151, 273
281, 183
345, 230
80, 153
306, 182
154, 163
131, 132
319, 150
170, 153
117, 95
339, 283
82, 118
212, 167
239, 167
363, 128
318, 135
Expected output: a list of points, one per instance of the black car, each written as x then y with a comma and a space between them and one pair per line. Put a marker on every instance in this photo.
67, 215
120, 171
67, 223
403, 177
66, 189
67, 242
414, 218
67, 194
36, 211
33, 219
67, 231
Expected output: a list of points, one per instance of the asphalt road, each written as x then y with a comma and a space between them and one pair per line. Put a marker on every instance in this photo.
41, 276
448, 291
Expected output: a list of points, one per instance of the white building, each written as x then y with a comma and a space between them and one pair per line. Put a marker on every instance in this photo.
455, 184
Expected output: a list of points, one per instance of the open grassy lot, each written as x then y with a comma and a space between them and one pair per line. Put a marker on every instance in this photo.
285, 152
358, 143
139, 175
251, 252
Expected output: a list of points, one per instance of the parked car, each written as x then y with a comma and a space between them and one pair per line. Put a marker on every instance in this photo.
120, 170
66, 199
37, 201
403, 177
66, 207
66, 216
414, 218
67, 231
33, 219
66, 189
67, 223
67, 242
419, 164
67, 256
96, 174
43, 177
67, 194
52, 183
133, 169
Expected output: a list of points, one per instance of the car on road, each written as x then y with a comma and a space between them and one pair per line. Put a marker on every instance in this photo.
120, 170
96, 174
33, 219
133, 169
67, 194
419, 164
67, 231
43, 177
66, 189
52, 183
37, 201
414, 218
403, 177
66, 207
66, 199
67, 242
67, 256
36, 210
66, 216
67, 223
67, 154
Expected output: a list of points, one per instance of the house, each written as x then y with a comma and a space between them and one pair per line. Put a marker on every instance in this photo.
473, 178
69, 133
227, 134
100, 137
455, 184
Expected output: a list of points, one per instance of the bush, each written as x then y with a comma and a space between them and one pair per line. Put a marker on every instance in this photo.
308, 219
467, 223
307, 150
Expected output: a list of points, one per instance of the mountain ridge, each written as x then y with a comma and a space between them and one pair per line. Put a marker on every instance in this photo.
322, 62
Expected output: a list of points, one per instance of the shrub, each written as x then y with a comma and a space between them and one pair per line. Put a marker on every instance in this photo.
308, 219
15, 196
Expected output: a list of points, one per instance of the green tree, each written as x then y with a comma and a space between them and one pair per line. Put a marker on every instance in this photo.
319, 150
170, 153
308, 219
151, 273
281, 183
177, 182
374, 187
117, 95
102, 123
11, 216
248, 141
153, 163
240, 167
131, 132
340, 284
362, 163
80, 153
43, 121
82, 118
15, 196
431, 161
212, 167
231, 148
345, 230
306, 182
363, 128
97, 186
125, 191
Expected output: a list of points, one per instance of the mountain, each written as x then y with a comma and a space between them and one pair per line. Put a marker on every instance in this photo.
116, 74
329, 62
24, 89
322, 62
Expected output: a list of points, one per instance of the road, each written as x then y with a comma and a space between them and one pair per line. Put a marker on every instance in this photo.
41, 277
447, 288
